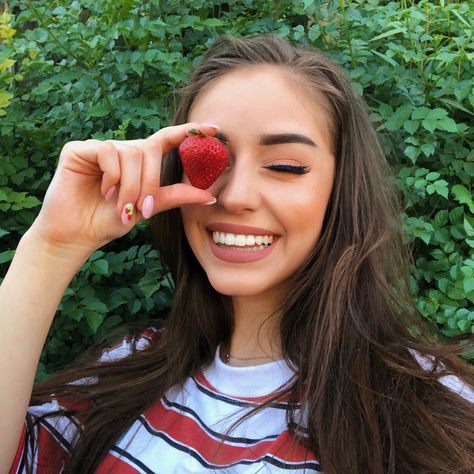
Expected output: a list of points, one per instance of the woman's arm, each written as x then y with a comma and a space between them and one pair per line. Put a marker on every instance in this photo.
84, 208
29, 296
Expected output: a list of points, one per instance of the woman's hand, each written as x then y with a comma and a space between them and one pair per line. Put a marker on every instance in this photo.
75, 220
102, 188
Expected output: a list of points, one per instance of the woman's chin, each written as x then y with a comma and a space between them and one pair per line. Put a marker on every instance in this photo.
234, 287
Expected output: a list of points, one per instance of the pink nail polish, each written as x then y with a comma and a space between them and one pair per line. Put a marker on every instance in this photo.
127, 213
211, 125
147, 206
110, 193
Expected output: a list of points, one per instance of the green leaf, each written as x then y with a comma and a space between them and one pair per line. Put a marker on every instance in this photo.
441, 218
447, 124
435, 119
76, 314
456, 105
456, 215
212, 22
432, 176
411, 126
6, 256
132, 252
461, 19
427, 149
101, 267
390, 61
439, 187
314, 31
96, 255
135, 306
456, 294
412, 153
30, 202
419, 228
94, 320
463, 196
138, 68
112, 321
92, 303
5, 98
393, 32
4, 194
121, 296
463, 325
420, 113
443, 284
421, 172
148, 285
468, 283
468, 226
99, 110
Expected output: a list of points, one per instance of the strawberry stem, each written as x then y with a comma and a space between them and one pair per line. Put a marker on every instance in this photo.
196, 132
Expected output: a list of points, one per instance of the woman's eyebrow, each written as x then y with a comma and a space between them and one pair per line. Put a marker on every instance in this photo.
275, 139
279, 138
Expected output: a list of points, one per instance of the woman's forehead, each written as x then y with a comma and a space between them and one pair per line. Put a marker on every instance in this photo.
266, 98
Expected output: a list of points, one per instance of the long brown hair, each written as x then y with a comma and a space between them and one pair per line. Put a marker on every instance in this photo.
349, 324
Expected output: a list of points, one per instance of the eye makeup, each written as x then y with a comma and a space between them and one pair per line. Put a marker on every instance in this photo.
289, 169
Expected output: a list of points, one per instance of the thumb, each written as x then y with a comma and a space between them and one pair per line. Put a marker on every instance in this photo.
180, 194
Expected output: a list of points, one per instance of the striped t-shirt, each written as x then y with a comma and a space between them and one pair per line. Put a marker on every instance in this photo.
187, 431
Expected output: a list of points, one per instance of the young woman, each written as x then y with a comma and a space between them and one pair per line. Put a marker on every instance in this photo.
295, 349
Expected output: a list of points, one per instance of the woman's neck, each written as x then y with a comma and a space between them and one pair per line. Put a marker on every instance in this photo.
255, 339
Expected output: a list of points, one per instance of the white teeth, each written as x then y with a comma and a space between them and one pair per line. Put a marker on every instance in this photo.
230, 239
241, 240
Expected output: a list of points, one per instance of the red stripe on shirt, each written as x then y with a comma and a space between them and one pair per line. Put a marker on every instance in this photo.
51, 454
189, 433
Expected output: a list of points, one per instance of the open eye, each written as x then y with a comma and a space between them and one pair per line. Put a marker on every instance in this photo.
295, 169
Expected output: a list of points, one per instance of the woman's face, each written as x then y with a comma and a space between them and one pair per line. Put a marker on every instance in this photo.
274, 128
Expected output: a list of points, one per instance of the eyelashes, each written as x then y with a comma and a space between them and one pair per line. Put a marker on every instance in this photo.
289, 169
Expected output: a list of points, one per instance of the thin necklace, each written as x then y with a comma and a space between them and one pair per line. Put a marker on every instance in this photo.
227, 356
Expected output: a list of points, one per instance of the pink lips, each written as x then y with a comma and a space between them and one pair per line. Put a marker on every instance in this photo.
232, 255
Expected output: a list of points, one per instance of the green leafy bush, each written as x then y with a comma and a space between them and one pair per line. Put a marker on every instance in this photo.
81, 69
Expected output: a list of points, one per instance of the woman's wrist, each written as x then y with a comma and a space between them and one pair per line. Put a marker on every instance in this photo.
67, 255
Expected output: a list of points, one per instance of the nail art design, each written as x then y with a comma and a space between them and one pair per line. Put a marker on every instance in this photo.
127, 212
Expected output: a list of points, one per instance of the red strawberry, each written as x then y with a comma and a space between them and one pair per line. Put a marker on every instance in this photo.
204, 158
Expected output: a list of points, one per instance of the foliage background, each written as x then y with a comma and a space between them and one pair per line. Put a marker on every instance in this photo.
104, 69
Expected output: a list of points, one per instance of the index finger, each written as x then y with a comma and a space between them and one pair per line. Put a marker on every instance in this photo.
170, 137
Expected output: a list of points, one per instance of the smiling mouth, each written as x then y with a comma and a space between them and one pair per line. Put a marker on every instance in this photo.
241, 242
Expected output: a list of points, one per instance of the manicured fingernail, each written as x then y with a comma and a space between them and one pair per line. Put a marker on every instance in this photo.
212, 201
110, 193
147, 206
127, 212
211, 125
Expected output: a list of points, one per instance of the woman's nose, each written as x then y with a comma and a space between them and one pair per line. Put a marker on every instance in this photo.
239, 189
